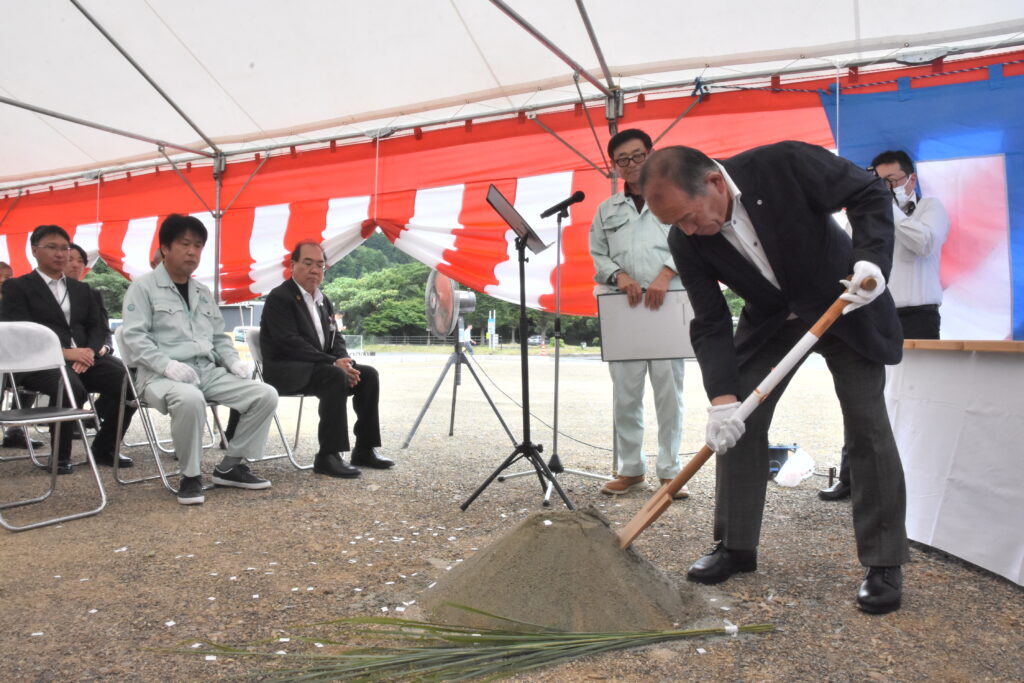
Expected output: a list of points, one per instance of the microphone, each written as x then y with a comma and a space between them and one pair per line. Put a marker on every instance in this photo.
577, 196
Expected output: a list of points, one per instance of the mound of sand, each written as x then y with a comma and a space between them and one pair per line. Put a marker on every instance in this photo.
563, 570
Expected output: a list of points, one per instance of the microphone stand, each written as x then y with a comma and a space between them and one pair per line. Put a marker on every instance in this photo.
555, 463
526, 450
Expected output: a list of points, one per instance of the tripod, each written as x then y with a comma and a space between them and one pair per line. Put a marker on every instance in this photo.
555, 463
458, 359
526, 450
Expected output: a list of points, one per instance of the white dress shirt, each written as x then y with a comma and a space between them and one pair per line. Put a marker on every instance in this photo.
313, 304
741, 234
59, 289
914, 280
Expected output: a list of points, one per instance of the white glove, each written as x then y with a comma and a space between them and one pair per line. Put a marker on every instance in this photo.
180, 372
241, 369
856, 294
724, 428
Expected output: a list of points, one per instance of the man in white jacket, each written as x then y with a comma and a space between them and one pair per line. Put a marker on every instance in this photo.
921, 229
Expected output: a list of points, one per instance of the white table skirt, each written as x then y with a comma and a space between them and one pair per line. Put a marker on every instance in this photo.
958, 418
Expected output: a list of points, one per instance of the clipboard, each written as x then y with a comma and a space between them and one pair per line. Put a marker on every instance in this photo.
639, 333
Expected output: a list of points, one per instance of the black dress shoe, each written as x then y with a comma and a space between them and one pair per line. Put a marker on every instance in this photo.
108, 460
836, 491
367, 457
720, 563
16, 438
881, 591
332, 465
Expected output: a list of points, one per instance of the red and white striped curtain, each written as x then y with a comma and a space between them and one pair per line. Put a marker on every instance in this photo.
425, 192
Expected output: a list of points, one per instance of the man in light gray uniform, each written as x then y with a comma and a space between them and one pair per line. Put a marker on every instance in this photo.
629, 246
174, 334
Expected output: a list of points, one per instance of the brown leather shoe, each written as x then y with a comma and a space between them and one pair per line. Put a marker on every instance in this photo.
681, 493
621, 484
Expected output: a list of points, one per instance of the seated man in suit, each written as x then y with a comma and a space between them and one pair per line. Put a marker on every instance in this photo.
68, 307
175, 332
303, 352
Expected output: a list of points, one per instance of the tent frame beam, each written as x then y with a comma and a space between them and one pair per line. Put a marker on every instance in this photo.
546, 42
445, 122
156, 142
142, 72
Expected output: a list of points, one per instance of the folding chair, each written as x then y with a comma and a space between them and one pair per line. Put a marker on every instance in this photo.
252, 338
28, 347
131, 395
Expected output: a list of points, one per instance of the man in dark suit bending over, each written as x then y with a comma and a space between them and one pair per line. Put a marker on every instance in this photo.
69, 308
304, 352
761, 223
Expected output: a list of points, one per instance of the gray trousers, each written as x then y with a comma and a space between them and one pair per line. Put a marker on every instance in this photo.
255, 401
876, 473
628, 411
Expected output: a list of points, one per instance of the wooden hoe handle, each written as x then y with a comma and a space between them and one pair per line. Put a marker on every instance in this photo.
662, 498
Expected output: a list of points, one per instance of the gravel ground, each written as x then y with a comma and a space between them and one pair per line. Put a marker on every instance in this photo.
106, 597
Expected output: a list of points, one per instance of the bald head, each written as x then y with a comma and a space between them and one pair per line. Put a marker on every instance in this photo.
685, 189
684, 167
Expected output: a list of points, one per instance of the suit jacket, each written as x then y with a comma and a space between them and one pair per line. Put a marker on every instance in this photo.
28, 298
790, 191
289, 342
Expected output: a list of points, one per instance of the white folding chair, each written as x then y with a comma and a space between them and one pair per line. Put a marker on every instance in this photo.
252, 338
131, 395
28, 347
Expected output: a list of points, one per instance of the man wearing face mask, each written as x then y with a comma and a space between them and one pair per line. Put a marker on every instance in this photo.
921, 229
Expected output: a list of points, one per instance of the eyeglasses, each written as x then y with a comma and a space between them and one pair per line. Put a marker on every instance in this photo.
637, 159
56, 247
893, 183
309, 263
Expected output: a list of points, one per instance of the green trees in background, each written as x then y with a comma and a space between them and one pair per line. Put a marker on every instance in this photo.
110, 284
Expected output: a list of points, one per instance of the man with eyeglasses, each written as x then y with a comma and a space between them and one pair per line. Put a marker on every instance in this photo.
922, 227
174, 332
68, 307
630, 251
762, 224
304, 353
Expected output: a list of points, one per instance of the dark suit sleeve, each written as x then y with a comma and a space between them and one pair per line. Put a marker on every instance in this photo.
280, 335
831, 184
15, 304
711, 327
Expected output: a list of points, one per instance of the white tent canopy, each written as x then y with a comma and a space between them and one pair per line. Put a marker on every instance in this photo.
259, 73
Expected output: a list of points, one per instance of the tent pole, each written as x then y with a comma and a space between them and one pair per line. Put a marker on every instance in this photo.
597, 47
145, 75
573, 64
218, 179
187, 182
11, 207
100, 126
578, 153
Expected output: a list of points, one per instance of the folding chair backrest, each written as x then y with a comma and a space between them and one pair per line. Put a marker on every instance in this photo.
252, 338
28, 347
121, 350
